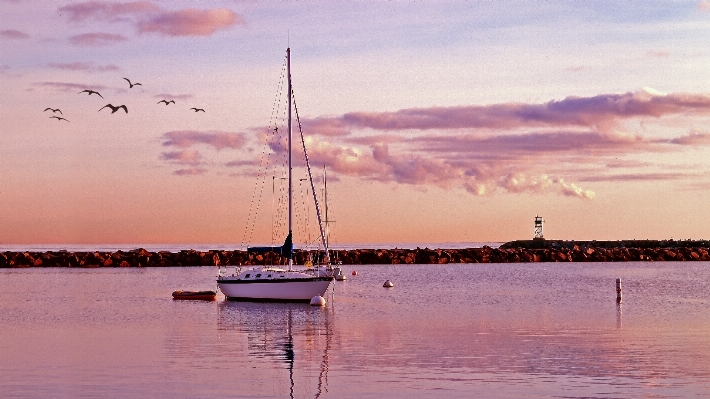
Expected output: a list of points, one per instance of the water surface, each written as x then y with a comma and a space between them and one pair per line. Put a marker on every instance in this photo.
487, 330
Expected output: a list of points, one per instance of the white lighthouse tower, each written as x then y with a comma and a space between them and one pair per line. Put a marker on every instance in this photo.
538, 228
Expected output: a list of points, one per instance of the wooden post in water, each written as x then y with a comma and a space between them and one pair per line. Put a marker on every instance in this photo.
618, 290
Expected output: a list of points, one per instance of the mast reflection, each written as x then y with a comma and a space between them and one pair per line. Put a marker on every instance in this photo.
280, 332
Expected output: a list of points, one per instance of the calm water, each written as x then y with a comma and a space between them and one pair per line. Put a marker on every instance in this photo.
494, 330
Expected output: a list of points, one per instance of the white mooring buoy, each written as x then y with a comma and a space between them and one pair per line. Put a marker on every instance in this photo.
317, 301
618, 290
388, 284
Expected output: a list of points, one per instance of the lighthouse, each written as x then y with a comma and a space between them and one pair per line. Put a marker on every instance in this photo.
538, 228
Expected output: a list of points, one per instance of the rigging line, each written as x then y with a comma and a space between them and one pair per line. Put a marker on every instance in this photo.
310, 176
262, 164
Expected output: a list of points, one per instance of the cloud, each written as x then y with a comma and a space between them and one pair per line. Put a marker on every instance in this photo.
627, 177
704, 6
218, 140
190, 22
102, 10
693, 138
601, 112
190, 172
173, 96
13, 34
190, 157
517, 148
83, 66
147, 17
68, 87
658, 53
578, 68
97, 39
508, 146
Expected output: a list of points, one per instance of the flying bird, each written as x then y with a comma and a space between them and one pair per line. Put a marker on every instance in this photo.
59, 118
113, 108
132, 84
166, 102
198, 109
91, 92
53, 110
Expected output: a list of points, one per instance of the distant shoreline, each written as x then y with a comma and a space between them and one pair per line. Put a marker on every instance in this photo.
511, 252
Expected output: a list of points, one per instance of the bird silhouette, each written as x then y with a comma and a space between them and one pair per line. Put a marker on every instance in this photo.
166, 102
53, 110
59, 118
114, 108
91, 92
198, 109
132, 84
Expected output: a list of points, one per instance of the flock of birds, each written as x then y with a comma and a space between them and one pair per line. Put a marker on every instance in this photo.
112, 107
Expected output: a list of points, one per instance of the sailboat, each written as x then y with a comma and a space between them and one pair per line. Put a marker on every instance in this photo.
271, 283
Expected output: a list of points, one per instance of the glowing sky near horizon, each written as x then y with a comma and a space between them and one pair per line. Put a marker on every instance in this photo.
438, 122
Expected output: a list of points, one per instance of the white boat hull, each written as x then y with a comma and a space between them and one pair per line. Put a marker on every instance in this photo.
298, 289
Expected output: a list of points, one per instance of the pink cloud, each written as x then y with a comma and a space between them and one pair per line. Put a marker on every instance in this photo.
190, 157
694, 138
566, 141
576, 68
68, 87
658, 53
102, 10
218, 140
626, 177
601, 111
97, 39
173, 96
190, 172
83, 66
704, 6
13, 34
190, 22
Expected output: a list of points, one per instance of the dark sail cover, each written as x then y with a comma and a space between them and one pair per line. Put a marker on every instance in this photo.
285, 250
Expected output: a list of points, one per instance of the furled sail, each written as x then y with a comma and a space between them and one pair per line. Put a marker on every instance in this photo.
285, 250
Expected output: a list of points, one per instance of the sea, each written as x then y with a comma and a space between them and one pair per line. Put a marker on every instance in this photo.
543, 330
230, 247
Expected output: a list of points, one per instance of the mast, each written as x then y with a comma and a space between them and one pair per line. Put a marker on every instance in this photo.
290, 183
325, 199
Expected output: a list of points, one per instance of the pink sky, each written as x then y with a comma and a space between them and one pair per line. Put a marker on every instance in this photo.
437, 123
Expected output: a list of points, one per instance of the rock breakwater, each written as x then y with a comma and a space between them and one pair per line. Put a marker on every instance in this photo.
511, 252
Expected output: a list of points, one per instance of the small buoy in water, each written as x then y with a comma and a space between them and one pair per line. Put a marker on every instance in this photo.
354, 272
317, 301
388, 284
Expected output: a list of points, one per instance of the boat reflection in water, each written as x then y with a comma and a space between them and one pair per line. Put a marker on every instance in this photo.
294, 335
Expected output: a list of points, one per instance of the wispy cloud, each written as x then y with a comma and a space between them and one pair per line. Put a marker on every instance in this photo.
694, 138
190, 157
67, 86
218, 140
13, 34
658, 53
83, 66
97, 39
148, 17
173, 96
190, 172
103, 10
601, 111
190, 22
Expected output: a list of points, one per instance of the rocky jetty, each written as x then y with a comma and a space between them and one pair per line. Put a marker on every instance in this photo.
511, 252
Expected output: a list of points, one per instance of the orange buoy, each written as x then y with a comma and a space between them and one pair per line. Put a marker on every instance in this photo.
354, 273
